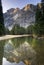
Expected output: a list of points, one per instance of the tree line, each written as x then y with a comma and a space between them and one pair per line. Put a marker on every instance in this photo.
18, 30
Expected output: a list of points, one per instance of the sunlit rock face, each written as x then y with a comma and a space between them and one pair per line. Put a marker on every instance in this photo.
30, 7
16, 10
39, 5
24, 52
27, 7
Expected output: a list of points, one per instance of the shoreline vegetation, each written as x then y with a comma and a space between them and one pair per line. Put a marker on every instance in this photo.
5, 37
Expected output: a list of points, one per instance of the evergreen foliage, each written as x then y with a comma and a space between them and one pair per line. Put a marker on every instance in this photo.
2, 32
39, 23
17, 30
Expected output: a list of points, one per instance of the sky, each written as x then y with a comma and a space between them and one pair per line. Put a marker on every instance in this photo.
7, 4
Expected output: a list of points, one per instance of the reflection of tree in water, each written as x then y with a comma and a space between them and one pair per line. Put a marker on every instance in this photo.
22, 52
18, 41
1, 51
38, 45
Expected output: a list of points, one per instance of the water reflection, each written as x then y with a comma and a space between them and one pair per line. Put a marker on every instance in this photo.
5, 62
22, 51
1, 51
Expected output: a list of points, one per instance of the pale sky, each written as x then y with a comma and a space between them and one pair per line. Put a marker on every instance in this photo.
7, 4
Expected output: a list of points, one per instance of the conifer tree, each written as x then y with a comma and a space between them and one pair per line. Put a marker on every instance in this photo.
2, 32
39, 22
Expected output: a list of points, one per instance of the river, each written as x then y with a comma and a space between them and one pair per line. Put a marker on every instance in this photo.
22, 51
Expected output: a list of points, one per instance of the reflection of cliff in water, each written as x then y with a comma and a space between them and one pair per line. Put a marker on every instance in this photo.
19, 51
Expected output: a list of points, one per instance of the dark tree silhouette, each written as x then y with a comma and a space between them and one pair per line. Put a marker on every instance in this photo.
39, 23
1, 51
42, 0
42, 4
1, 20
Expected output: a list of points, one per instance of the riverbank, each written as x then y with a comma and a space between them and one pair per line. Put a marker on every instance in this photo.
15, 36
12, 36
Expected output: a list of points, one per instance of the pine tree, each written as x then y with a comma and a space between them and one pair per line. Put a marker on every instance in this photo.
42, 0
42, 18
42, 6
1, 21
39, 23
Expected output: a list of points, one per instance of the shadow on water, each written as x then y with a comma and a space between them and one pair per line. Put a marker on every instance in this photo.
22, 51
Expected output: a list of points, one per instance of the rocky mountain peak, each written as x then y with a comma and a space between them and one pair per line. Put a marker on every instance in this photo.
27, 7
16, 10
39, 5
11, 10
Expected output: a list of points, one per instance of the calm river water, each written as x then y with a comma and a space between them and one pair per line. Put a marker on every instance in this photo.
22, 51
